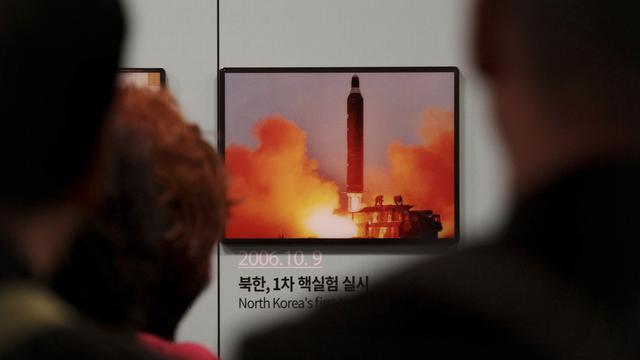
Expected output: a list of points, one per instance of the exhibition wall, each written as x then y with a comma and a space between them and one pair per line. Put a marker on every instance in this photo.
181, 37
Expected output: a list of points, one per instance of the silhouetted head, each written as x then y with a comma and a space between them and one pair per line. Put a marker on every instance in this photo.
58, 60
566, 76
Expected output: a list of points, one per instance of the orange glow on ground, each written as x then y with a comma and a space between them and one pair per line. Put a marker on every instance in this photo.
323, 224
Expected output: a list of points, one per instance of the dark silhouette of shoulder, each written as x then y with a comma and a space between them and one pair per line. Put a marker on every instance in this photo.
76, 343
560, 282
405, 315
35, 324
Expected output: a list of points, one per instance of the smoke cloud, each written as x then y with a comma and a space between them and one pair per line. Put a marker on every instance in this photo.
423, 174
276, 186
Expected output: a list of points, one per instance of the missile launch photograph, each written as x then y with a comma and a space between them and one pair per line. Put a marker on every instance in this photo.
350, 154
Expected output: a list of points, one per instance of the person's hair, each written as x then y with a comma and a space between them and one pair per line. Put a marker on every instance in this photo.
146, 254
585, 49
58, 61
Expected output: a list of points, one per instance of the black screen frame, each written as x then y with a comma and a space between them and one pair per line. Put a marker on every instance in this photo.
221, 144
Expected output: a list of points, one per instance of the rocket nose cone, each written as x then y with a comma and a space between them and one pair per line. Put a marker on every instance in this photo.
355, 81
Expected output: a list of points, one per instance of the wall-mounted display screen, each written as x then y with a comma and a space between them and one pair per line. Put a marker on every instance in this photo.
146, 78
343, 153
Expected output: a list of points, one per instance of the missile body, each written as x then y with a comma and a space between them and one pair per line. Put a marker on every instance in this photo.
355, 145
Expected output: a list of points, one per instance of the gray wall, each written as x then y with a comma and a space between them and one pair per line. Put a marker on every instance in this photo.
180, 35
